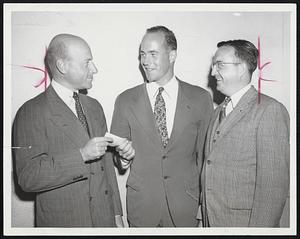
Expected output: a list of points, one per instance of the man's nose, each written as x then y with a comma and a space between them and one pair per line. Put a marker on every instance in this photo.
94, 68
213, 70
145, 60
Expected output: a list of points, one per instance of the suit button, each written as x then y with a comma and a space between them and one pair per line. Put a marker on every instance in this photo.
106, 192
208, 162
166, 177
92, 173
102, 168
91, 198
214, 140
164, 157
218, 131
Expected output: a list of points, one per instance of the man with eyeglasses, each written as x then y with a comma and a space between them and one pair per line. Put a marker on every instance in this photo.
245, 176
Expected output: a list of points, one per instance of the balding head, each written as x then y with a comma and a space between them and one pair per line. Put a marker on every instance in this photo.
59, 49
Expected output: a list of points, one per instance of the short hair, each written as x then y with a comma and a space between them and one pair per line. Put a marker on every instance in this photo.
244, 50
57, 50
168, 34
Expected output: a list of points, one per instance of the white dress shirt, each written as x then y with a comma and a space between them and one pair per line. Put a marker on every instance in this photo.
169, 94
65, 94
235, 98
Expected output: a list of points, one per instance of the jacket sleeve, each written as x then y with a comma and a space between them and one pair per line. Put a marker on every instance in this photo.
120, 127
272, 174
38, 169
207, 111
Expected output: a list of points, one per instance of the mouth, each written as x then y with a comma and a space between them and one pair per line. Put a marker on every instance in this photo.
218, 78
149, 69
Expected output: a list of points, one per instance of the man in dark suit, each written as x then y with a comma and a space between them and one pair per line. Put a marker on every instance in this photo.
60, 149
166, 120
245, 177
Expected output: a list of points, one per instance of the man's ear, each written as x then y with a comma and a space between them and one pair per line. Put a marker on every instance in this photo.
61, 66
172, 56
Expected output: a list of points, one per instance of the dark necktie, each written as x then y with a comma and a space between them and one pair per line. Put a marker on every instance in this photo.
222, 114
80, 113
160, 117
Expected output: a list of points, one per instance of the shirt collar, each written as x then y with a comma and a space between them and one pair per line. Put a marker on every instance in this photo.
62, 91
169, 88
235, 98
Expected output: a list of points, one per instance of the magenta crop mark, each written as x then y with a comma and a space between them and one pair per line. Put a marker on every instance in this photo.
44, 79
260, 68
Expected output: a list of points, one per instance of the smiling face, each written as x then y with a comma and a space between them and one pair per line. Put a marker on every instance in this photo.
229, 76
156, 58
79, 68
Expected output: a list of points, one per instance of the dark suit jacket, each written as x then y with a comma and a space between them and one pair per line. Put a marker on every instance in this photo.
70, 193
245, 176
156, 172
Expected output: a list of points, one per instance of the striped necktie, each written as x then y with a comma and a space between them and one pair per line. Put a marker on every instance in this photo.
222, 114
80, 113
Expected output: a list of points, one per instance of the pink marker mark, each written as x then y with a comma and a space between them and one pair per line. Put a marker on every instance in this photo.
44, 79
260, 68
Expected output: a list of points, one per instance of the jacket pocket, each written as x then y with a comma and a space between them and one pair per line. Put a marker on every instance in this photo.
240, 202
57, 205
134, 181
192, 187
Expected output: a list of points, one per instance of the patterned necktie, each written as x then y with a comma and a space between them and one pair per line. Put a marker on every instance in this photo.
80, 113
222, 114
160, 117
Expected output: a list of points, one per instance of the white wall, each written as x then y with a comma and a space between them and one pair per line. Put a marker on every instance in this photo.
114, 37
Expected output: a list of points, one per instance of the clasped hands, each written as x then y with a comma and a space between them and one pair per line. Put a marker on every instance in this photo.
97, 146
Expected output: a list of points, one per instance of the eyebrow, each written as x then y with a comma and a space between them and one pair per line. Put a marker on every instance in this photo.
151, 51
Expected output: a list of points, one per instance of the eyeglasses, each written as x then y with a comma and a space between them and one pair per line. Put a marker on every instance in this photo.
220, 64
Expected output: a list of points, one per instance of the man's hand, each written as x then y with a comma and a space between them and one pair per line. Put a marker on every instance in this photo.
95, 148
126, 150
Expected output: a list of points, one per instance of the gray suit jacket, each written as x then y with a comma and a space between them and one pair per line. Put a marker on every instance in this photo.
70, 193
245, 177
157, 173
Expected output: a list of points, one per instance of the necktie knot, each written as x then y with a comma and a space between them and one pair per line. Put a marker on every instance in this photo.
160, 90
226, 101
75, 96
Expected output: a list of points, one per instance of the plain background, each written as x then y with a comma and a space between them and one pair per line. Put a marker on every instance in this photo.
114, 37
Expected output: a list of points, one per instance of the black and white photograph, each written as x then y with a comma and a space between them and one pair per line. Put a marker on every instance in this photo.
149, 119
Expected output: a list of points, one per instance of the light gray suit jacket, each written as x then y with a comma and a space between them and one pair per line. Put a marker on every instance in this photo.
245, 177
70, 193
157, 173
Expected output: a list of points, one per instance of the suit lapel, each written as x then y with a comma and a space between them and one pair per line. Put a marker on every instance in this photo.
183, 114
94, 122
63, 117
142, 111
211, 130
239, 112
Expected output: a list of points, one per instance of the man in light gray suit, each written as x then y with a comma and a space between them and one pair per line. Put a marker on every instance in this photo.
60, 149
245, 176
